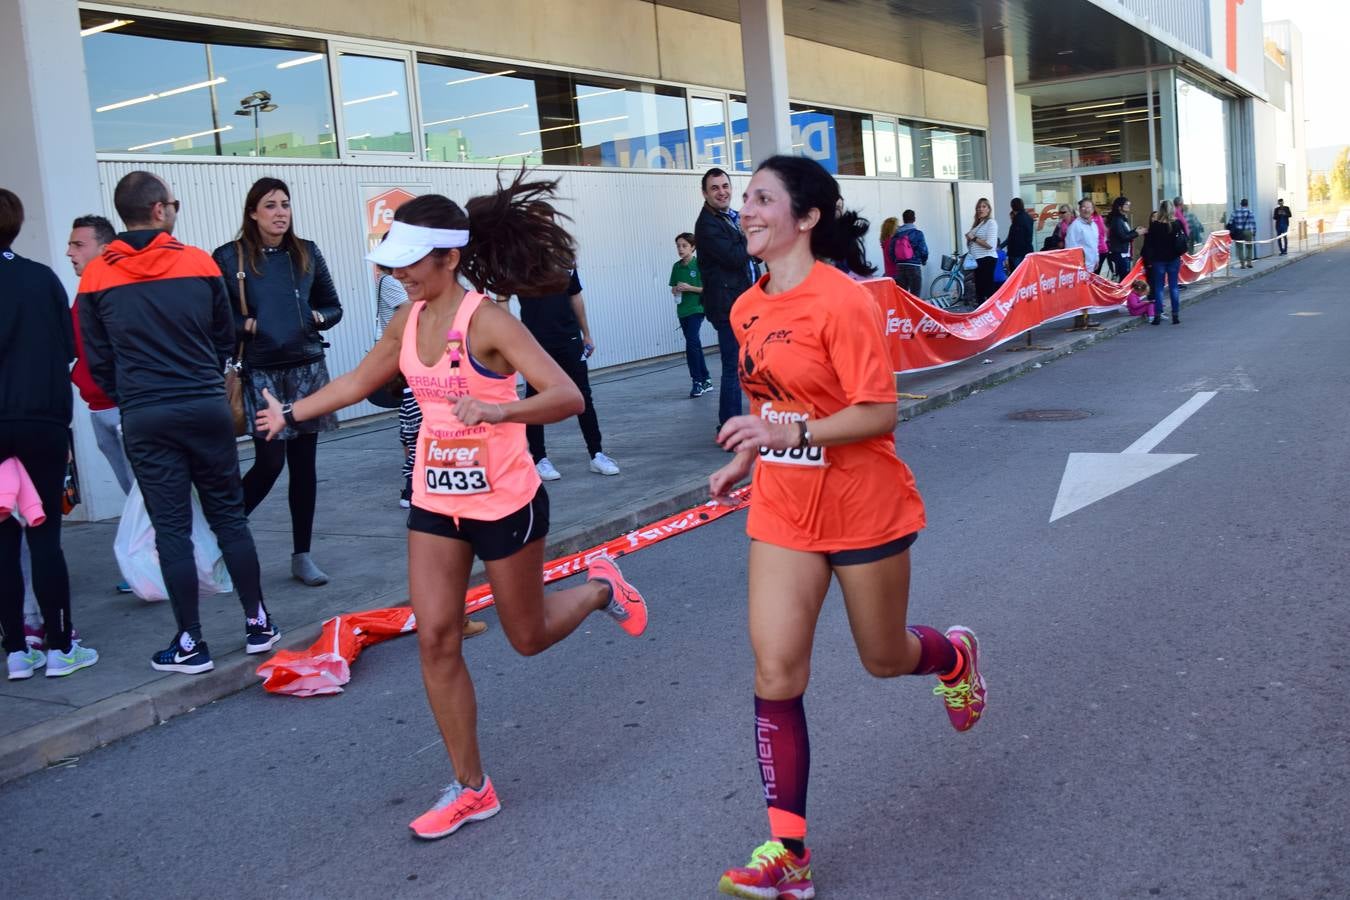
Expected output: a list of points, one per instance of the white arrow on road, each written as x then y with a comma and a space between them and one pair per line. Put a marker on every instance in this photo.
1089, 477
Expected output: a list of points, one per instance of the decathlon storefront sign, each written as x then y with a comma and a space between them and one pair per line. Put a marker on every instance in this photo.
813, 136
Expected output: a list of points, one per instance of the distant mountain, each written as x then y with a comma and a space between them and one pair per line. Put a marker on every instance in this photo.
1321, 159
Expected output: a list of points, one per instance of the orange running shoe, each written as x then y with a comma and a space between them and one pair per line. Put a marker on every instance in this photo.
458, 805
625, 604
964, 698
773, 871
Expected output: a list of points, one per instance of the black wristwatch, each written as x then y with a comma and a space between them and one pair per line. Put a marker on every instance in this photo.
804, 439
288, 413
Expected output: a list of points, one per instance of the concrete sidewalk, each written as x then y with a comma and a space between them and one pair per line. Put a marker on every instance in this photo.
662, 440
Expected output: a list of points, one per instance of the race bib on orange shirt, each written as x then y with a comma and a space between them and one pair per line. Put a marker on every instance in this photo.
780, 414
455, 467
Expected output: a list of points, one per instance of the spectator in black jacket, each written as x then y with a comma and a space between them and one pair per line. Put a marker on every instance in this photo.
37, 346
1120, 235
1164, 243
1021, 234
290, 299
157, 332
728, 272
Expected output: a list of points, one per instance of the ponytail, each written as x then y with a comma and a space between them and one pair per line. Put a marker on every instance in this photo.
516, 242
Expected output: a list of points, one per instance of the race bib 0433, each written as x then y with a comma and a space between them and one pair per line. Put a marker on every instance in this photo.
455, 467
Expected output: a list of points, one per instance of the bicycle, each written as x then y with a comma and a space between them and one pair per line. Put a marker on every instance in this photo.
950, 288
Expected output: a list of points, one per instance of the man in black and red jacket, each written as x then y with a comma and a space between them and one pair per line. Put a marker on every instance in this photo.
158, 329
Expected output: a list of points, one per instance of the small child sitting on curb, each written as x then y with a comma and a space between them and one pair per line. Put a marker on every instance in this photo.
1140, 302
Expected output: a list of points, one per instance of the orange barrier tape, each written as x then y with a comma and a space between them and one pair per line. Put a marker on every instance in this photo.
1045, 287
325, 666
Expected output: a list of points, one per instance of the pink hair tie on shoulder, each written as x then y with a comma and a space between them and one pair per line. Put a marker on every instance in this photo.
453, 341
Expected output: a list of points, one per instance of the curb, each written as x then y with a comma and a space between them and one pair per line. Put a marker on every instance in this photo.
53, 742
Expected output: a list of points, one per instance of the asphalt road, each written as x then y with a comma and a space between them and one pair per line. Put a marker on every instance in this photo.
1167, 714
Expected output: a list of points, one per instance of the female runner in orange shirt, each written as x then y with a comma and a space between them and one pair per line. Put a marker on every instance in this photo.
829, 496
475, 488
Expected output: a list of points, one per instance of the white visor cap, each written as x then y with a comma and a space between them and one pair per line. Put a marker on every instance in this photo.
406, 244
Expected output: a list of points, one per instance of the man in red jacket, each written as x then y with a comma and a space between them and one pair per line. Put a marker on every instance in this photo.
88, 236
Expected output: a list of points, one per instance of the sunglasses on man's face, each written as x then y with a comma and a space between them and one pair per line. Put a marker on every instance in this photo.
176, 204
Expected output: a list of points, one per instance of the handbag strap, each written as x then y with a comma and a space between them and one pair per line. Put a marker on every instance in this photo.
239, 280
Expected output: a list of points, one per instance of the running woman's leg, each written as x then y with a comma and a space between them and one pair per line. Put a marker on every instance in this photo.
532, 620
876, 596
438, 577
787, 590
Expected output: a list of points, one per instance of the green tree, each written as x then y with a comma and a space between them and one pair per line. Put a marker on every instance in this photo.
1340, 175
1319, 189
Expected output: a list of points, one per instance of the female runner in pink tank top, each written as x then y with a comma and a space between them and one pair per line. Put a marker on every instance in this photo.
475, 491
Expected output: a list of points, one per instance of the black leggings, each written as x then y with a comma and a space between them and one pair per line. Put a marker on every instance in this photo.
269, 457
41, 447
984, 278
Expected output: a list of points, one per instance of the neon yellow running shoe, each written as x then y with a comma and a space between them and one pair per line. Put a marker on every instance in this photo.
964, 698
774, 871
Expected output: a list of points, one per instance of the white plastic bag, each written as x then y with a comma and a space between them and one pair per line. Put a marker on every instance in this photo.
139, 561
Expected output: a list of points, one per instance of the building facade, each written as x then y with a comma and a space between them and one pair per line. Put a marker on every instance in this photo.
912, 104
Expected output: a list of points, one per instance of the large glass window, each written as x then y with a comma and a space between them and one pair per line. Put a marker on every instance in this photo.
708, 121
208, 92
478, 113
375, 113
497, 113
632, 126
949, 153
1202, 150
1087, 123
740, 134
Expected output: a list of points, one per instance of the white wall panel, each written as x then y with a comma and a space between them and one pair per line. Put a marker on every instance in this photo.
625, 224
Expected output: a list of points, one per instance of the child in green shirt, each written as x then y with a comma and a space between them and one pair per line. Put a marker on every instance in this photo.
685, 286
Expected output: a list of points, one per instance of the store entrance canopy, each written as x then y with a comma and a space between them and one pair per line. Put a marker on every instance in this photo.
1046, 40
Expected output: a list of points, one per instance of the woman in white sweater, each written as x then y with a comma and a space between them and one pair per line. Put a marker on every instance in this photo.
982, 245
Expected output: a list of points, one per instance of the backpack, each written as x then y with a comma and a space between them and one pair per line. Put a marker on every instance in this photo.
1180, 242
901, 249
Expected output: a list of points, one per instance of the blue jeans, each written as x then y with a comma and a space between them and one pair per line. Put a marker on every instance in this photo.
729, 394
1172, 271
693, 347
1283, 242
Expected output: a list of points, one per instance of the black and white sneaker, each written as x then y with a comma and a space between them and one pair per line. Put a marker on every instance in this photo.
263, 633
183, 655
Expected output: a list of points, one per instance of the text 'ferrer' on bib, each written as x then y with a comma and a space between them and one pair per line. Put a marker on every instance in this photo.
780, 413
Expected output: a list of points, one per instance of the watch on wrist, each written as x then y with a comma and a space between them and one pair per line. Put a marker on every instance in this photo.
288, 413
803, 439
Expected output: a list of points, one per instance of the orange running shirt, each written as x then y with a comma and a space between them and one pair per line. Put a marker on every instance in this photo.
808, 353
464, 471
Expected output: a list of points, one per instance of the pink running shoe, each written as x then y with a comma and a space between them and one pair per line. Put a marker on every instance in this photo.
626, 604
773, 871
457, 807
964, 698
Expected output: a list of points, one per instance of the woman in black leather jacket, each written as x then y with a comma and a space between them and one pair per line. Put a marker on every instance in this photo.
290, 298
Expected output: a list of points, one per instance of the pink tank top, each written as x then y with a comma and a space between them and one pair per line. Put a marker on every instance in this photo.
466, 472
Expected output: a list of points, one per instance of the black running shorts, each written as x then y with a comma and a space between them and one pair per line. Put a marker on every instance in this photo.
490, 540
871, 554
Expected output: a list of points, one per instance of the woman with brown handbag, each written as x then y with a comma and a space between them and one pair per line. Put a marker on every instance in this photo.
284, 297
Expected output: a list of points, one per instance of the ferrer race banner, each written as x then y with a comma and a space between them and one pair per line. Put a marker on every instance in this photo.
1045, 287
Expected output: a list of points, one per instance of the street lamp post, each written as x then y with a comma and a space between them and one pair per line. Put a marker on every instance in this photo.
254, 103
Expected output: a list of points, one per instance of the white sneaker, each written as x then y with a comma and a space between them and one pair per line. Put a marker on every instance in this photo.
546, 470
76, 658
23, 663
603, 465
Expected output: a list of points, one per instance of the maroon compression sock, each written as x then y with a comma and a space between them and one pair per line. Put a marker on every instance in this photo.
937, 655
784, 752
